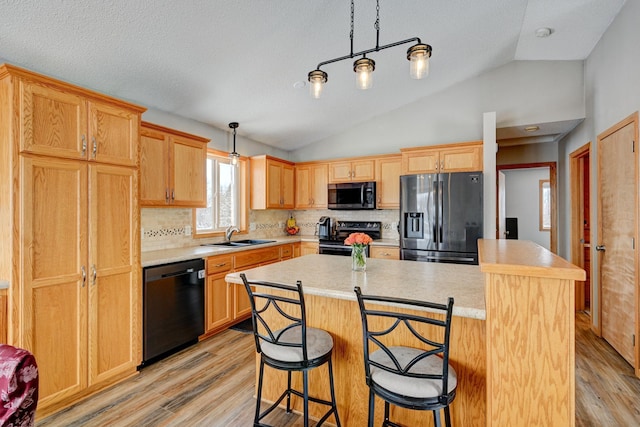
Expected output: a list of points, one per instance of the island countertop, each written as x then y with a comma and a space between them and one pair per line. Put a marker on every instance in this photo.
331, 276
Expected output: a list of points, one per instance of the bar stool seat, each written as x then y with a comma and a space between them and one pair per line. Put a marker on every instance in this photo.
292, 347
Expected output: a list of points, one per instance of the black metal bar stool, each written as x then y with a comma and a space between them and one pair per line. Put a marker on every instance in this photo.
294, 347
416, 375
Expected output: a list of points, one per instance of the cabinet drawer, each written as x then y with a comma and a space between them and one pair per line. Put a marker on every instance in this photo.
219, 264
385, 252
258, 256
286, 251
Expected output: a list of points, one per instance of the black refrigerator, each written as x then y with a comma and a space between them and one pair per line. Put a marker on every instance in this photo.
441, 217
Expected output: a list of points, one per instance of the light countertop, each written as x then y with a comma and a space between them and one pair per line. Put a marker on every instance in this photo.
165, 256
331, 276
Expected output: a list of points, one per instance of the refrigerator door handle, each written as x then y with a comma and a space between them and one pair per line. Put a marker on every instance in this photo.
362, 194
441, 208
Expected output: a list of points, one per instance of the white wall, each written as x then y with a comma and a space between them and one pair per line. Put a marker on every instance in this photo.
522, 202
221, 139
520, 92
612, 92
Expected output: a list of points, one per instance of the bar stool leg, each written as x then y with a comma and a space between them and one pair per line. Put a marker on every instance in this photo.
371, 407
447, 417
333, 395
305, 391
256, 419
288, 392
436, 418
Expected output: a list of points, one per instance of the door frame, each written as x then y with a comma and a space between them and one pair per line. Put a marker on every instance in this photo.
577, 219
631, 119
553, 182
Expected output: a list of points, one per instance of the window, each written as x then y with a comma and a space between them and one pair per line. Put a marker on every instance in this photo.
545, 205
226, 195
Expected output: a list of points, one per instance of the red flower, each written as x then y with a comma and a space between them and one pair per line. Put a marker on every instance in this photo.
358, 239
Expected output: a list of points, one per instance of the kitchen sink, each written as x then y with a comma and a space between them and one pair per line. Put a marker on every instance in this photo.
246, 242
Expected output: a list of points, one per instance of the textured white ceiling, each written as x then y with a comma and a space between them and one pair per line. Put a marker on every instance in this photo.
219, 61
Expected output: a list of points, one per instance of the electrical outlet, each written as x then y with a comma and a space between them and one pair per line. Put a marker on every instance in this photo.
187, 230
252, 226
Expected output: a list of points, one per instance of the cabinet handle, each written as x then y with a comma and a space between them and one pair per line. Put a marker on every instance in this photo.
84, 146
84, 275
95, 147
221, 265
442, 165
166, 195
94, 275
173, 195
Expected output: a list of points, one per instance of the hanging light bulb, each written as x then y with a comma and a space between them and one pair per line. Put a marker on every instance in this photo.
234, 156
419, 55
317, 78
364, 68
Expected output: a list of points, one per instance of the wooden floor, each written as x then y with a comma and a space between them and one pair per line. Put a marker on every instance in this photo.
211, 384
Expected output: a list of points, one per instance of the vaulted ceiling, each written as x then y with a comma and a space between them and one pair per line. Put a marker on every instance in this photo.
219, 61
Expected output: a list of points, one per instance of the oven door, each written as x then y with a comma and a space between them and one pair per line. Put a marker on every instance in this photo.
342, 250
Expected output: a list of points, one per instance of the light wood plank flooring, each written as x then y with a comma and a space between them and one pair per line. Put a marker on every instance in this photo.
211, 384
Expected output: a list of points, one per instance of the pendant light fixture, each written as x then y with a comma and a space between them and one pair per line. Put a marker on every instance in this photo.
234, 156
418, 56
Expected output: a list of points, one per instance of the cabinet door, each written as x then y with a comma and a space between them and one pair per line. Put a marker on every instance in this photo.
465, 159
114, 282
339, 172
319, 181
274, 183
385, 252
363, 170
53, 250
388, 182
154, 168
114, 134
188, 160
288, 187
307, 248
425, 161
303, 187
219, 302
54, 122
241, 302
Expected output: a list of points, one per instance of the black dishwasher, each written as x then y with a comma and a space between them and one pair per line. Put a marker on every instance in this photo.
173, 308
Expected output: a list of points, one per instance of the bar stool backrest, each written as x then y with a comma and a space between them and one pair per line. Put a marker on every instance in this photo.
285, 312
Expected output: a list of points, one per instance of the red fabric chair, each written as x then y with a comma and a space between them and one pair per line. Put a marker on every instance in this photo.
18, 387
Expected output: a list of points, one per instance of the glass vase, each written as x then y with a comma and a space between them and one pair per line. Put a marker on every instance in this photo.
358, 258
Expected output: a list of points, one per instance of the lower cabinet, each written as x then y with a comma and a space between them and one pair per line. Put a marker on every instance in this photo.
308, 248
227, 303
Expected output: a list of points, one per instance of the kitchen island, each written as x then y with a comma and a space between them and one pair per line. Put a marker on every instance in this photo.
512, 336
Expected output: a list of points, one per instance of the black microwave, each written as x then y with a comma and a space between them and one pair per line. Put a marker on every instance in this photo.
352, 195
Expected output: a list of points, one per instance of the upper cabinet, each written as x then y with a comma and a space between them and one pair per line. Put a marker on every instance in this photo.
352, 170
311, 185
463, 157
388, 171
173, 167
58, 121
272, 183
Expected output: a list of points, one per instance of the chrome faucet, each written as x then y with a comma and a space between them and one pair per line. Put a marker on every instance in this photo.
229, 232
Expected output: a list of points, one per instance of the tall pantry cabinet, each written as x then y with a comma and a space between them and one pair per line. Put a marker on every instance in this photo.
69, 244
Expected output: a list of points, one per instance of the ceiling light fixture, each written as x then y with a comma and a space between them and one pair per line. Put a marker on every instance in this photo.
234, 156
418, 55
531, 128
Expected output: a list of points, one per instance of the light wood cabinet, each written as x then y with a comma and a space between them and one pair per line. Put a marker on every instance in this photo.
352, 170
308, 248
463, 157
384, 252
272, 183
59, 122
69, 166
227, 303
173, 167
388, 171
311, 185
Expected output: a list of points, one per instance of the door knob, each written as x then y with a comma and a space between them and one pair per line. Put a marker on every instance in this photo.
600, 248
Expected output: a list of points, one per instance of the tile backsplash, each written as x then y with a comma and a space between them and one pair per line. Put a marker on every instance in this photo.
165, 228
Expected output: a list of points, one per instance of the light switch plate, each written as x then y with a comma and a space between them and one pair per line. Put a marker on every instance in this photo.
187, 230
